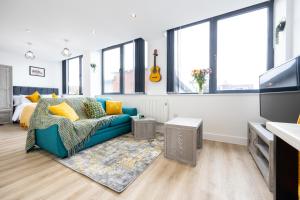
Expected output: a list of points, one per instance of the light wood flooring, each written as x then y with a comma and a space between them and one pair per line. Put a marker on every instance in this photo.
223, 171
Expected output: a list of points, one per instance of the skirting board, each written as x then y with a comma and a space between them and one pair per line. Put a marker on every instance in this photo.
224, 138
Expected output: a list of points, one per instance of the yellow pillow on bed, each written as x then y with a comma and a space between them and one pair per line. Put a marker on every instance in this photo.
298, 120
34, 97
54, 96
113, 107
64, 110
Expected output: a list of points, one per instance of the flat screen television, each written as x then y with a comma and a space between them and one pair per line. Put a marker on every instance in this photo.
280, 92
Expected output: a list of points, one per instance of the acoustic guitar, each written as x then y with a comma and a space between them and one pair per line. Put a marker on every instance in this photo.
155, 70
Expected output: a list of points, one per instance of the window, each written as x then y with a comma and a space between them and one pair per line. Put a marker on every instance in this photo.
242, 50
72, 70
123, 68
112, 66
191, 51
237, 46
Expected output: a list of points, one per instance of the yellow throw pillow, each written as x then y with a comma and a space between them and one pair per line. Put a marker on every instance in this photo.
113, 107
54, 96
34, 97
64, 110
298, 122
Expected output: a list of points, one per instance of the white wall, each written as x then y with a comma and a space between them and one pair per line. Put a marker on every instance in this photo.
296, 28
159, 87
289, 44
91, 78
21, 77
225, 116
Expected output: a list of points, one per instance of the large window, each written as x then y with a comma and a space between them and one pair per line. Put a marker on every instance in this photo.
191, 52
72, 70
112, 69
237, 46
242, 50
123, 68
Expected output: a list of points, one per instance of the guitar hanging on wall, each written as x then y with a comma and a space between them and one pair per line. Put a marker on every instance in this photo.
155, 70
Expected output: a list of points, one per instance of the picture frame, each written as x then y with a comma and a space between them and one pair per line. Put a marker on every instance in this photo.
37, 71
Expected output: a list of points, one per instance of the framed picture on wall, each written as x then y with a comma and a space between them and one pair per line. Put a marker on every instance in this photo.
36, 71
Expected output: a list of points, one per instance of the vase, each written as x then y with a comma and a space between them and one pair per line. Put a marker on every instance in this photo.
200, 89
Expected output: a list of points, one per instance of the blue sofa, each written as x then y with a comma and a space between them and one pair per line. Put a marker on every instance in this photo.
49, 138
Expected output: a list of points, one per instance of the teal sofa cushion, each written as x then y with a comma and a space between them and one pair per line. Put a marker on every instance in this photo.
129, 111
120, 119
103, 101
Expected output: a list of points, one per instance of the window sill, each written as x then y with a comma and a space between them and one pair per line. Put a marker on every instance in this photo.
187, 94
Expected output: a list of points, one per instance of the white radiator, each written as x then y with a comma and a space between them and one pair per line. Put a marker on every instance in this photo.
156, 108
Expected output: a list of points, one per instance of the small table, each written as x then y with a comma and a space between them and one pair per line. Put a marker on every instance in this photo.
183, 136
143, 128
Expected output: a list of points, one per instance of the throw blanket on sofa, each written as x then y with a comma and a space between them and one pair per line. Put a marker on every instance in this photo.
72, 134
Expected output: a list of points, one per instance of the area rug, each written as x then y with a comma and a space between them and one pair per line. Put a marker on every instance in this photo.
117, 162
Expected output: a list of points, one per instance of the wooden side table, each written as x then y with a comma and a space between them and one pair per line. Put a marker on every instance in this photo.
144, 128
183, 136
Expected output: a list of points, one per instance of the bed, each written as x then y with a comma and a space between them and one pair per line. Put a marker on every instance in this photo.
23, 108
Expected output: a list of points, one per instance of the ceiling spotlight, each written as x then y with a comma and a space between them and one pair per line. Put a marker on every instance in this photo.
66, 52
133, 15
29, 54
94, 32
27, 30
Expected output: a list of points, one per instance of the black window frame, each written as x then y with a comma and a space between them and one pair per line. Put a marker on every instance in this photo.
65, 75
171, 79
139, 67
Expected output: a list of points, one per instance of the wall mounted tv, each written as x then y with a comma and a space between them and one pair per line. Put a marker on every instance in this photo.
280, 92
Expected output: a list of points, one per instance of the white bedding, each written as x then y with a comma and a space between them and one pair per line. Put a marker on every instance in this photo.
18, 111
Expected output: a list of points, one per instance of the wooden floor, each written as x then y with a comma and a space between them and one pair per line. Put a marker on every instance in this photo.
223, 171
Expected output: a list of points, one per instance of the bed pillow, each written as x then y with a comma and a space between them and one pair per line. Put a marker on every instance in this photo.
64, 110
46, 96
54, 96
94, 110
34, 97
19, 99
298, 122
113, 107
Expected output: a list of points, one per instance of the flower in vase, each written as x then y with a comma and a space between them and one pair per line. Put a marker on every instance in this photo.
199, 76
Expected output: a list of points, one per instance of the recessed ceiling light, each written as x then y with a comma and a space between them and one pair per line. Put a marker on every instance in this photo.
133, 15
94, 32
27, 30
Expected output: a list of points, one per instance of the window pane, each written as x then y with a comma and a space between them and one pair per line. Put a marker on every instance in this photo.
191, 52
73, 74
242, 50
129, 68
112, 70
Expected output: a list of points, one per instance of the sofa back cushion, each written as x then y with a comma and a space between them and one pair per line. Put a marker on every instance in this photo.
103, 101
94, 110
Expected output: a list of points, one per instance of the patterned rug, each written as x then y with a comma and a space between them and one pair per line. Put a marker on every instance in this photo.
117, 162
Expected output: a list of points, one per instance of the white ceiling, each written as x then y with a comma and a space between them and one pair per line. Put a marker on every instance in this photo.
50, 21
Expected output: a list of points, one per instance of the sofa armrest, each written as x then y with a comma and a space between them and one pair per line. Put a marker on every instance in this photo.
129, 111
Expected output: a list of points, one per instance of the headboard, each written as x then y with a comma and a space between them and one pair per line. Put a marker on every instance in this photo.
21, 90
